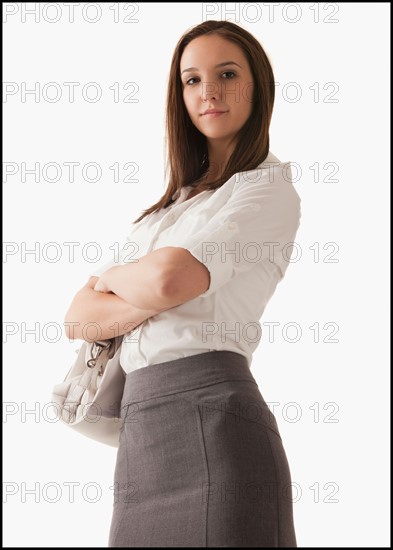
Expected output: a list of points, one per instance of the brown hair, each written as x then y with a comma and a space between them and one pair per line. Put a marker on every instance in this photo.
187, 147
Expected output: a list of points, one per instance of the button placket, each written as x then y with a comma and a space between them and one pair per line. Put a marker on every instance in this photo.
170, 216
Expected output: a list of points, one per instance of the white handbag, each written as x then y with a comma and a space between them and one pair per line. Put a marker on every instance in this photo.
89, 398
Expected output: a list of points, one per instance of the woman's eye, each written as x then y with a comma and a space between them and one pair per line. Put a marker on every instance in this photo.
230, 72
226, 78
188, 81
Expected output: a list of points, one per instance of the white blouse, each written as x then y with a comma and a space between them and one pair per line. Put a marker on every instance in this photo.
243, 233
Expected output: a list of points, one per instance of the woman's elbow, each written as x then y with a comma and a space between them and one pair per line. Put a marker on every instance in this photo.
186, 280
71, 329
73, 325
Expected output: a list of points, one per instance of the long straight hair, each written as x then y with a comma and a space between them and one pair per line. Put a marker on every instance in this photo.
186, 147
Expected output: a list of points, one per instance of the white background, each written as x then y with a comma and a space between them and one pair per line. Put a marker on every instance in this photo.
348, 457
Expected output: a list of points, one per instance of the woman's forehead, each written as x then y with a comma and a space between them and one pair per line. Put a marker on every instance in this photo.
208, 51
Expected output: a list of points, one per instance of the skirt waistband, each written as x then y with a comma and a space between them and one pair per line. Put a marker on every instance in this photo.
185, 373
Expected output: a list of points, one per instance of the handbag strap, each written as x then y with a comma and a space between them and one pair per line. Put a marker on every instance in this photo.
98, 350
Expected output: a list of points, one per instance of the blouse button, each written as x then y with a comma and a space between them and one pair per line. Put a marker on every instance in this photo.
231, 225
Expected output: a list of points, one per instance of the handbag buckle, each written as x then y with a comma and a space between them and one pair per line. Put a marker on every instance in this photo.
99, 347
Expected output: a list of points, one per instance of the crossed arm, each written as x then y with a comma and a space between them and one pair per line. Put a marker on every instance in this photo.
126, 295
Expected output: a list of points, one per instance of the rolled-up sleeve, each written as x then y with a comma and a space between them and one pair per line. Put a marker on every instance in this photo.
258, 223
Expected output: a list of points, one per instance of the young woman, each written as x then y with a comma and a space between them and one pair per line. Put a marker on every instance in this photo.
200, 459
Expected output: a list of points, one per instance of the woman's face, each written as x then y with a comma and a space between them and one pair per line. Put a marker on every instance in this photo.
210, 82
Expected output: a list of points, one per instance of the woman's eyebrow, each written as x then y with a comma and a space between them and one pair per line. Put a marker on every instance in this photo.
219, 65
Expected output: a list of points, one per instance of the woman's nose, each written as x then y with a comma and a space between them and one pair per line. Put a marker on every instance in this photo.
209, 91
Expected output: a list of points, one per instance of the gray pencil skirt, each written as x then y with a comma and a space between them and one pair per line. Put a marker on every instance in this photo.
200, 462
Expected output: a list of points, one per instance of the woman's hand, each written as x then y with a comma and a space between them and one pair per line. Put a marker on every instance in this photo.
101, 286
104, 282
111, 315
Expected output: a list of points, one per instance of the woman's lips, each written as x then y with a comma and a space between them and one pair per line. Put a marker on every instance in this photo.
215, 114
